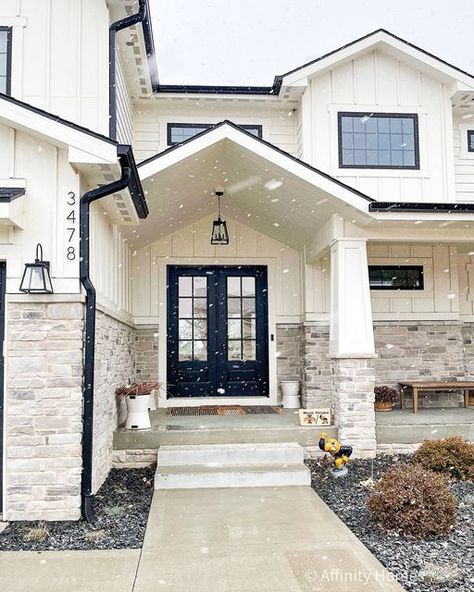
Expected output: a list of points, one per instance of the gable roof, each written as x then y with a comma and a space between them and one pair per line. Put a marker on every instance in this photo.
373, 38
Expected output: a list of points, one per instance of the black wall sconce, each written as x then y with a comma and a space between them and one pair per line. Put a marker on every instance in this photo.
36, 278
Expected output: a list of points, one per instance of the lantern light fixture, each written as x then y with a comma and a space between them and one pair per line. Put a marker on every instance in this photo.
220, 235
36, 278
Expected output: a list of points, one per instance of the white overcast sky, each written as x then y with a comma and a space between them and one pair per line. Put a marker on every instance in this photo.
249, 41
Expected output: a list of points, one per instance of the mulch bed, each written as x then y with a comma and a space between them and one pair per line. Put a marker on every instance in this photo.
411, 562
122, 505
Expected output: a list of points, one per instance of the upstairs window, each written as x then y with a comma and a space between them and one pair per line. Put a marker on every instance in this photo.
5, 59
378, 141
470, 141
179, 132
396, 277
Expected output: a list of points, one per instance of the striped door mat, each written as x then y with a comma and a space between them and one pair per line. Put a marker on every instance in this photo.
228, 410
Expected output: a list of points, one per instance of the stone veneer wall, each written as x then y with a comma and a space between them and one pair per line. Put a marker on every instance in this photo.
288, 347
115, 365
146, 348
44, 407
317, 376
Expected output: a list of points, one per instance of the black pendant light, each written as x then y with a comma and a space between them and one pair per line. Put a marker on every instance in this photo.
219, 235
36, 278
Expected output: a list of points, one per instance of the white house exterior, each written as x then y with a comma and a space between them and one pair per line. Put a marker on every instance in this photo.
360, 160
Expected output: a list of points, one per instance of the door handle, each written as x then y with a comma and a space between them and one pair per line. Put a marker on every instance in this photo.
272, 337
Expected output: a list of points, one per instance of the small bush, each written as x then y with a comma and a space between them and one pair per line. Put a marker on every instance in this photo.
413, 501
452, 456
385, 394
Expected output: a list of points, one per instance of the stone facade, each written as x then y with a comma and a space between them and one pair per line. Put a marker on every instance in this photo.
289, 344
317, 369
115, 365
44, 407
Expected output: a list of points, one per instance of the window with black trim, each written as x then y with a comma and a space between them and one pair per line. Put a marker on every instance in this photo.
378, 140
179, 132
396, 277
5, 59
470, 141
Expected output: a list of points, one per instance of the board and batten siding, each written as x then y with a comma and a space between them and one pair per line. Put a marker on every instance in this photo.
60, 57
191, 246
152, 116
466, 283
124, 105
463, 160
375, 82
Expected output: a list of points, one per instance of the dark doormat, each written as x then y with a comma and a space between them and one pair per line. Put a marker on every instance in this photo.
228, 410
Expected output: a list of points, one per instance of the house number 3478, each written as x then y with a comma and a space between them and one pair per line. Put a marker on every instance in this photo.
71, 228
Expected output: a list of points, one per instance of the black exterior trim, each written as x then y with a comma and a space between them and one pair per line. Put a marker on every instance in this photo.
8, 194
418, 268
204, 126
450, 208
130, 180
57, 118
413, 116
8, 88
470, 140
265, 143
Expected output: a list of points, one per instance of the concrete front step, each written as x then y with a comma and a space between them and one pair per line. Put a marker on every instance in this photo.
198, 477
286, 453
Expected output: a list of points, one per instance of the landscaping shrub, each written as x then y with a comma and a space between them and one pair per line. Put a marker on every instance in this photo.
452, 456
414, 501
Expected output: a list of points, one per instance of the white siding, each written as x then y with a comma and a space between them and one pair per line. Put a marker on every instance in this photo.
151, 119
463, 161
60, 57
191, 246
124, 106
373, 83
466, 283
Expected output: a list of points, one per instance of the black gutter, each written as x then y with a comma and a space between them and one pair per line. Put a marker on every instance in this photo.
130, 179
140, 17
8, 194
450, 208
216, 90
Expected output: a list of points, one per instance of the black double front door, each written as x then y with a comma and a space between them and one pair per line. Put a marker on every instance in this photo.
217, 331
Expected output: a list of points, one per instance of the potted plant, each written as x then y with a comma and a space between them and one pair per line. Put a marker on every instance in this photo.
291, 394
385, 397
137, 398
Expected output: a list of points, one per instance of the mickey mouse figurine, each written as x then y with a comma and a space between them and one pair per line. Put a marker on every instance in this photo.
340, 454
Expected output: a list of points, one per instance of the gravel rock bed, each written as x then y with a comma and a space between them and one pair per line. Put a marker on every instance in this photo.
121, 505
441, 565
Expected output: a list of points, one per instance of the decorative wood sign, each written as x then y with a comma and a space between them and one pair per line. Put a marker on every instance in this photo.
315, 417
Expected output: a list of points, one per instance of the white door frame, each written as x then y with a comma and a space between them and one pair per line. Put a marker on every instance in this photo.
270, 264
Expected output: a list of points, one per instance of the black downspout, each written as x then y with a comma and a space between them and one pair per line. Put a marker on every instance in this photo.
124, 23
87, 505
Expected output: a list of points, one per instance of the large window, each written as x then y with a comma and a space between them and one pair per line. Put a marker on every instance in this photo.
378, 141
179, 132
396, 277
5, 59
470, 141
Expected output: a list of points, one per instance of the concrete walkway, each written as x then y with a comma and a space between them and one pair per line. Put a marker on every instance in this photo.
282, 539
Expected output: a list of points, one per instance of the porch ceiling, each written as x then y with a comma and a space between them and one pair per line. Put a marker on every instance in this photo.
260, 193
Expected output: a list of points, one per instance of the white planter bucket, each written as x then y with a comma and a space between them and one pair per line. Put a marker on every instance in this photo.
290, 390
137, 412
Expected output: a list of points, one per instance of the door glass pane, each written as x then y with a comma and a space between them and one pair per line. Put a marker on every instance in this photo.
248, 286
234, 350
233, 286
248, 307
200, 350
200, 308
200, 287
248, 349
233, 307
185, 329
185, 286
200, 329
234, 329
248, 328
185, 350
185, 308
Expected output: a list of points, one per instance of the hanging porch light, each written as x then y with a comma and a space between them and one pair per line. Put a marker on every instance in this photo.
219, 235
36, 278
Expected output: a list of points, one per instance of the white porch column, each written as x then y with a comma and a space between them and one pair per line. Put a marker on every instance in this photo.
351, 330
352, 345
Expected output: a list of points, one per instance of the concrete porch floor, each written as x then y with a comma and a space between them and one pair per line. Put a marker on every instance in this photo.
220, 429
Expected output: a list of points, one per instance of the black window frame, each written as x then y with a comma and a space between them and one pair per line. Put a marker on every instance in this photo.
8, 86
418, 268
416, 139
470, 142
205, 126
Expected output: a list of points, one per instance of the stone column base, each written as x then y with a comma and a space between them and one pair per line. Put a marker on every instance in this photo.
354, 414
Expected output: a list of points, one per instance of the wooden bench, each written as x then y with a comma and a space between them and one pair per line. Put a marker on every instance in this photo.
419, 386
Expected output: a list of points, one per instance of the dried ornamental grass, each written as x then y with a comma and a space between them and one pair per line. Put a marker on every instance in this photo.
413, 501
138, 388
452, 456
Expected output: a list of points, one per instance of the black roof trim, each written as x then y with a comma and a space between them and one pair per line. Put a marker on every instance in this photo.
450, 208
150, 48
275, 88
262, 141
8, 194
57, 118
125, 154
